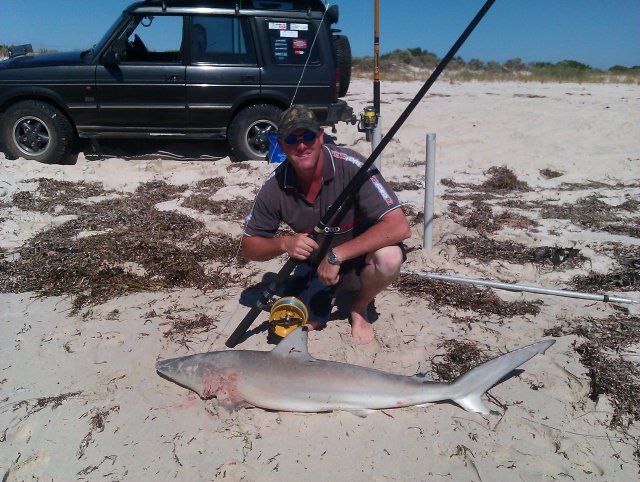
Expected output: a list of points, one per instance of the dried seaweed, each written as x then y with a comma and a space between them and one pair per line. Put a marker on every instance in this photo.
211, 184
33, 406
486, 249
52, 194
159, 191
550, 173
503, 179
182, 329
473, 196
481, 218
413, 215
617, 378
96, 424
592, 213
624, 277
594, 185
119, 246
464, 297
405, 185
460, 357
610, 374
236, 208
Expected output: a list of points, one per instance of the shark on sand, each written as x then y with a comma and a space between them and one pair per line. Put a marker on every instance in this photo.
288, 378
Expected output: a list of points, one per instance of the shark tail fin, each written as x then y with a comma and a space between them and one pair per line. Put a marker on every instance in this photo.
468, 388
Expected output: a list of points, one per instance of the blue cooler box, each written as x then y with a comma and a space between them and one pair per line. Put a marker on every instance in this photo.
274, 153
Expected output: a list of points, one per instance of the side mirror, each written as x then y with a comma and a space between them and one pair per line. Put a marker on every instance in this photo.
111, 58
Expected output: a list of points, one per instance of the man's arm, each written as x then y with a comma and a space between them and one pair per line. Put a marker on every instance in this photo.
259, 248
390, 229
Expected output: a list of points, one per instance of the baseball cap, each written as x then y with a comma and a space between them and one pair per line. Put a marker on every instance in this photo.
297, 117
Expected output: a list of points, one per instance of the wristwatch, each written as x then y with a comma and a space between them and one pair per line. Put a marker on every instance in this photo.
332, 258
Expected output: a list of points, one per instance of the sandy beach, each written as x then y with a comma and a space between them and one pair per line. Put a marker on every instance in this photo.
129, 255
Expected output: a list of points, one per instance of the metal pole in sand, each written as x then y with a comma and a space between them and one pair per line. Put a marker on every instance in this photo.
519, 287
376, 135
429, 192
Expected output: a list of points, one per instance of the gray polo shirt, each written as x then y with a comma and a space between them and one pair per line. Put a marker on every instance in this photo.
280, 200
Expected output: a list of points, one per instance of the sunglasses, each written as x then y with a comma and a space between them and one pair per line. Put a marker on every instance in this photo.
306, 137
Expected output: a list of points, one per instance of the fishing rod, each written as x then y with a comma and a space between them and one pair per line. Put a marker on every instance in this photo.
518, 287
354, 184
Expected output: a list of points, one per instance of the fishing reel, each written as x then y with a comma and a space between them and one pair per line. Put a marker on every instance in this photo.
286, 314
368, 120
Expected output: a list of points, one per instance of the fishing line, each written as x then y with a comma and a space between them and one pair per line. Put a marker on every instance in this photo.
306, 62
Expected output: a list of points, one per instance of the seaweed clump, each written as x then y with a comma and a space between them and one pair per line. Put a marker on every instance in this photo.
118, 246
480, 217
625, 277
503, 179
610, 373
459, 357
486, 249
464, 297
182, 329
592, 213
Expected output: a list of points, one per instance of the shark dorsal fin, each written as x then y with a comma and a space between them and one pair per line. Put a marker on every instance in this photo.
294, 345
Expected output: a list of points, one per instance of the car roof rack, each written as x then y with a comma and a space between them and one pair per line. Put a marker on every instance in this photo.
297, 5
313, 8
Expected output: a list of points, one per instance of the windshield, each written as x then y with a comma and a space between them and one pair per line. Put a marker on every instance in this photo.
115, 27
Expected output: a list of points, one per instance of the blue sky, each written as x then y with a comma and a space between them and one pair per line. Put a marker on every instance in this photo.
600, 33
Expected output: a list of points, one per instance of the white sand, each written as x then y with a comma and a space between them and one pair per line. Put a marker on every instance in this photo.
118, 420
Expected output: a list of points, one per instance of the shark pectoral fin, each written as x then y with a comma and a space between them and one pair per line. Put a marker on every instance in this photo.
472, 403
361, 412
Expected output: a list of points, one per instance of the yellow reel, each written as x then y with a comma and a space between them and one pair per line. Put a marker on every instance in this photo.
287, 314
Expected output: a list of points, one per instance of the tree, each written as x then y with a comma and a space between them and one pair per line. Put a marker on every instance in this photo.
515, 65
476, 64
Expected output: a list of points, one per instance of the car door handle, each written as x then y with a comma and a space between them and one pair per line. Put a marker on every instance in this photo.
248, 78
172, 78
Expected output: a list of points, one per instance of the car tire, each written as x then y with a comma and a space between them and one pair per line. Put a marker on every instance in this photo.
342, 49
249, 130
37, 130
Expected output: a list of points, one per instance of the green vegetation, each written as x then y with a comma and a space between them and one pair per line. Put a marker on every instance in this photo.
4, 51
414, 63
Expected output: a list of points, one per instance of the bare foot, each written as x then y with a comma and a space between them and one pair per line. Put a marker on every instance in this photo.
361, 330
313, 325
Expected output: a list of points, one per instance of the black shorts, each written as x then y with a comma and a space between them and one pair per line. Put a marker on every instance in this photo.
305, 285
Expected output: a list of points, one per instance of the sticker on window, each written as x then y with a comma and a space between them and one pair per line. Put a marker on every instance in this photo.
300, 43
277, 26
288, 33
299, 26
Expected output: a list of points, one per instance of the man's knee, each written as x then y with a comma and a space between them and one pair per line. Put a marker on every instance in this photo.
386, 261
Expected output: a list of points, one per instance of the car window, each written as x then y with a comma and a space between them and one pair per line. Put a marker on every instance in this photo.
221, 39
292, 42
153, 39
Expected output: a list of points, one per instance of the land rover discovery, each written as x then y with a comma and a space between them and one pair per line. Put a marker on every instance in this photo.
186, 69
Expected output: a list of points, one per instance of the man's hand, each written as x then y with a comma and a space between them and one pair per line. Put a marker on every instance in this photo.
328, 273
299, 246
